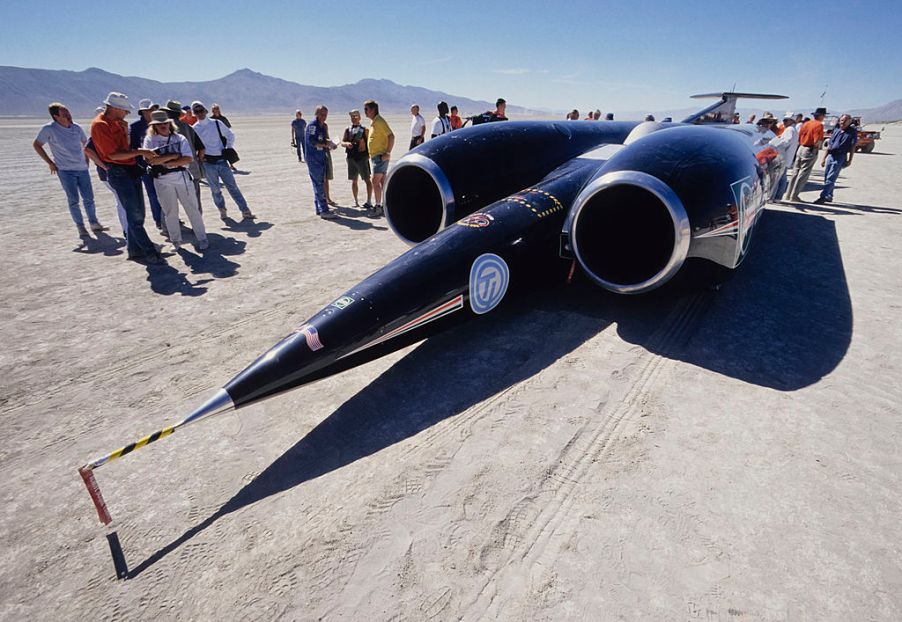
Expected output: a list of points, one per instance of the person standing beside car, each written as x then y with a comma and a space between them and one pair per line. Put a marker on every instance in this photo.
811, 135
109, 133
838, 155
171, 178
67, 140
380, 142
358, 157
441, 124
136, 133
417, 127
216, 136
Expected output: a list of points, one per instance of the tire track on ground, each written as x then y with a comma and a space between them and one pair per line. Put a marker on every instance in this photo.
525, 533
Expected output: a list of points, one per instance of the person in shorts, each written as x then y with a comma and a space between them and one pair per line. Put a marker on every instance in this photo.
379, 142
358, 156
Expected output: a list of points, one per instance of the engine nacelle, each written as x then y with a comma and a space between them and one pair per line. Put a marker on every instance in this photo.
452, 176
674, 194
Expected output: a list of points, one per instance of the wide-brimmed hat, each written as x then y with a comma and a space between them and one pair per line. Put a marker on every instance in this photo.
789, 115
197, 104
146, 104
818, 111
174, 106
158, 117
118, 100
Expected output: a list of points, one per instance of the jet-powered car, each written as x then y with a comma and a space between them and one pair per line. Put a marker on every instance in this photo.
486, 207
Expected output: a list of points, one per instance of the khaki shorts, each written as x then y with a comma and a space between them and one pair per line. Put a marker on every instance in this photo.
358, 168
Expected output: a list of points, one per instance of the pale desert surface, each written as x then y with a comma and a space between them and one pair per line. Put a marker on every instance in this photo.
730, 455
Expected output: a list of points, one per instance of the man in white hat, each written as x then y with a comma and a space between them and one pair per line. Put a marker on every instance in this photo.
136, 133
67, 140
109, 133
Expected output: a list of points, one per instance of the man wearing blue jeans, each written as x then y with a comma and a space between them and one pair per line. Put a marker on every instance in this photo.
838, 155
215, 136
67, 141
136, 133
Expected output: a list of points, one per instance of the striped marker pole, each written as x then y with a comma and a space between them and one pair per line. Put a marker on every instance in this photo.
87, 471
219, 403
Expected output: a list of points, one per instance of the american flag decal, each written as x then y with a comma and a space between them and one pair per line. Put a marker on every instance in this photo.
311, 335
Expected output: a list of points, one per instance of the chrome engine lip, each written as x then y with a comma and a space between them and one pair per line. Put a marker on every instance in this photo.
681, 227
438, 177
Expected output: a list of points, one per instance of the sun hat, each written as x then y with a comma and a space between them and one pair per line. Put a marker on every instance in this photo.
197, 104
146, 104
118, 100
158, 117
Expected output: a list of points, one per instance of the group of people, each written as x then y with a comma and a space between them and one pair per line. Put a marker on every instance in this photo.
165, 153
367, 149
799, 140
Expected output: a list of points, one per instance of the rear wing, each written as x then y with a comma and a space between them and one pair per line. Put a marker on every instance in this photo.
722, 110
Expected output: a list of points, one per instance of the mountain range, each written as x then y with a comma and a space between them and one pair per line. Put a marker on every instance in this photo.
26, 91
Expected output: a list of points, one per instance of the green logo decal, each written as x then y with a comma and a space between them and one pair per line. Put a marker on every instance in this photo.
343, 302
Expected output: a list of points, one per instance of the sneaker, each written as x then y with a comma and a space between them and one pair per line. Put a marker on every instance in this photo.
248, 216
821, 201
367, 206
328, 215
82, 232
223, 214
96, 226
203, 245
378, 211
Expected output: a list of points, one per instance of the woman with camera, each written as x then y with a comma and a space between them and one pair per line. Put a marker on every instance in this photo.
171, 179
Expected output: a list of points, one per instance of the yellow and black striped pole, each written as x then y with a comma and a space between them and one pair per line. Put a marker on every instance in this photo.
221, 402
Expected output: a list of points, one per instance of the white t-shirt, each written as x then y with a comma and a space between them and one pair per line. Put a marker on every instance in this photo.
66, 145
441, 126
417, 125
174, 143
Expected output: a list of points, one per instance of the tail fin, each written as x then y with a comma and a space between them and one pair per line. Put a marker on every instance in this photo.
722, 111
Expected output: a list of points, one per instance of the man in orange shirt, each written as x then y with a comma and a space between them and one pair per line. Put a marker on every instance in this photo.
811, 136
109, 133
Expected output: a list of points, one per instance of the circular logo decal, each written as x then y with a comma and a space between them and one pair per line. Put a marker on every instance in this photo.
476, 221
489, 277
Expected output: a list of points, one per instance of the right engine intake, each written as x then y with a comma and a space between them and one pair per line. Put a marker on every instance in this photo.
674, 194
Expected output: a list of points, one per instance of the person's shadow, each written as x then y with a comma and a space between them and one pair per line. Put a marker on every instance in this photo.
784, 322
250, 228
167, 280
101, 243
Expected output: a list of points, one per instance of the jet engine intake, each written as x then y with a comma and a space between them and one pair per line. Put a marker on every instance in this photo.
629, 232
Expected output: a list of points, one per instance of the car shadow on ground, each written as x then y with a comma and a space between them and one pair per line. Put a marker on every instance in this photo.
102, 243
784, 321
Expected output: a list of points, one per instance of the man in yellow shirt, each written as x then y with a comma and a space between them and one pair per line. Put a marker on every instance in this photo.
380, 142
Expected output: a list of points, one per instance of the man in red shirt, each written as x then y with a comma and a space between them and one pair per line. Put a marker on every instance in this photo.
109, 133
811, 136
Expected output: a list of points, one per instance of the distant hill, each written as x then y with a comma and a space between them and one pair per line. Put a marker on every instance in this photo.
883, 114
28, 91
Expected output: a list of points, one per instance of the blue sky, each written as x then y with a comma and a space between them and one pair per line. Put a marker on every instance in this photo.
612, 55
